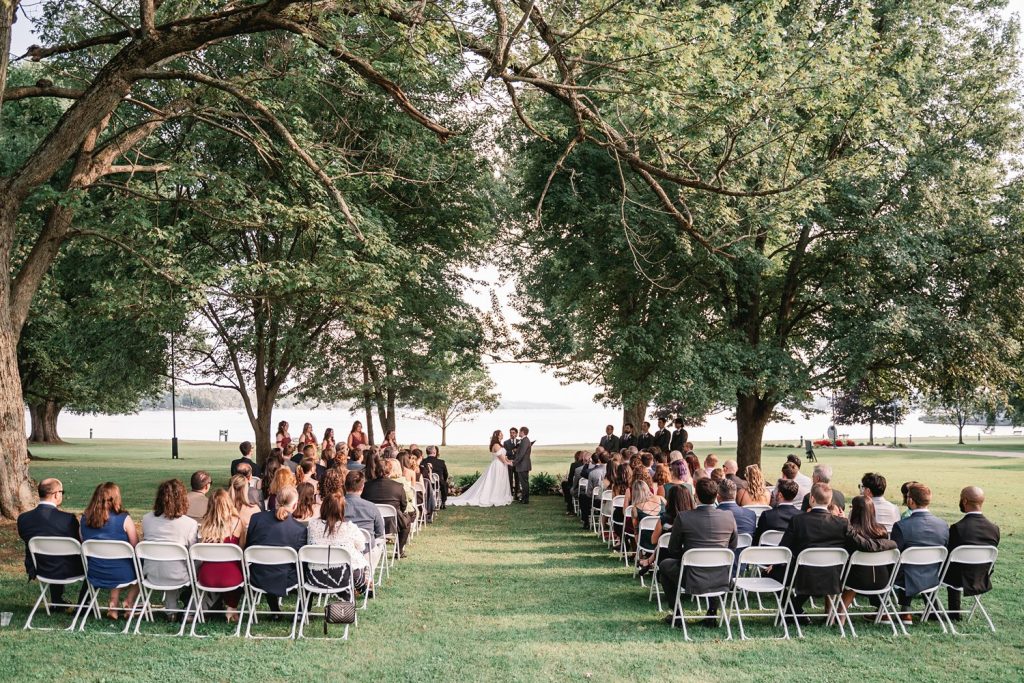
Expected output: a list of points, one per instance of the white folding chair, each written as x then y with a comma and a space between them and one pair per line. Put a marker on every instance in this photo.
627, 515
328, 557
420, 491
435, 486
744, 541
389, 512
771, 538
107, 550
758, 510
160, 551
618, 503
759, 556
977, 556
644, 551
54, 546
581, 490
605, 520
884, 559
925, 556
705, 558
655, 590
374, 555
817, 559
216, 552
268, 556
595, 509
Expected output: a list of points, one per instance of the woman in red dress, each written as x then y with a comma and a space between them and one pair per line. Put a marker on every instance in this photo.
221, 524
356, 437
307, 438
327, 447
283, 438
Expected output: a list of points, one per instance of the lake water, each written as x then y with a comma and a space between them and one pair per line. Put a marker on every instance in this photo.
551, 426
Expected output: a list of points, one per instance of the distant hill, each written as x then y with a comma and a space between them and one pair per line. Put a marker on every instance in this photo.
213, 398
531, 405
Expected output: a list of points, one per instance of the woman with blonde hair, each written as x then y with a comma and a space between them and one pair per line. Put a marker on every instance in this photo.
239, 496
222, 524
394, 470
756, 493
282, 478
105, 519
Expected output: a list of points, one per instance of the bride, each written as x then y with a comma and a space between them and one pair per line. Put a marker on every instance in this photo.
492, 488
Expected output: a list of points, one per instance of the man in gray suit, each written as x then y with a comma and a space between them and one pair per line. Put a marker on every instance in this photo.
521, 462
921, 528
703, 527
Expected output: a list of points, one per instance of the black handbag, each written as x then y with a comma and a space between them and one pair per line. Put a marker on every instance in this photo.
340, 612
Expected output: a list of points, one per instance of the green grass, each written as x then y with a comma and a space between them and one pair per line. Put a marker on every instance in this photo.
520, 594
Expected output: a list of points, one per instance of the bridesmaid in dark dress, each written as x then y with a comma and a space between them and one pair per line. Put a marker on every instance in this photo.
221, 524
106, 519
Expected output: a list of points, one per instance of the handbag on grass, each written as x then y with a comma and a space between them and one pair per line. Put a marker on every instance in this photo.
341, 612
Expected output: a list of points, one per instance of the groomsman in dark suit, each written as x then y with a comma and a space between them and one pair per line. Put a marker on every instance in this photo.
973, 529
510, 446
816, 528
645, 440
609, 441
628, 438
663, 437
47, 520
678, 437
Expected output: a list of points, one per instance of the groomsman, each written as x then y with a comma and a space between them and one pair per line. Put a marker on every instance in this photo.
628, 438
646, 439
510, 446
662, 437
609, 441
678, 437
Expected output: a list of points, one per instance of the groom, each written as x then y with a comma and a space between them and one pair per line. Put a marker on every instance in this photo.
521, 463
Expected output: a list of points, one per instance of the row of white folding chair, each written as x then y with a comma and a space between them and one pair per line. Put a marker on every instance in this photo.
605, 520
388, 512
595, 509
581, 490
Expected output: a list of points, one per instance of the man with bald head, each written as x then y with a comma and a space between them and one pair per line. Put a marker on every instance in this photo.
730, 469
973, 529
47, 520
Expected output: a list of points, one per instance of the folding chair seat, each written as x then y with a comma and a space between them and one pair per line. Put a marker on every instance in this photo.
655, 590
107, 550
627, 536
884, 559
771, 538
216, 552
326, 557
980, 556
925, 556
817, 559
618, 503
760, 556
160, 551
389, 512
645, 551
271, 556
54, 546
705, 558
605, 520
595, 509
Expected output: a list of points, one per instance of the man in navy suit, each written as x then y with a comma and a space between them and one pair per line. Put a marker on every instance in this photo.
47, 520
921, 528
777, 519
746, 520
277, 528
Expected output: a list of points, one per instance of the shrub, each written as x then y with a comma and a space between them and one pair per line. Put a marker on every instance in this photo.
457, 485
545, 484
850, 442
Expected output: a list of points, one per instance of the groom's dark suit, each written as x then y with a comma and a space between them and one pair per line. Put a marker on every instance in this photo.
510, 447
521, 462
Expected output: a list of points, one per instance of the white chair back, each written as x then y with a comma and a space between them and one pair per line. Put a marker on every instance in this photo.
759, 509
54, 546
648, 524
708, 557
270, 555
744, 541
822, 557
923, 556
882, 558
108, 550
771, 538
215, 552
161, 551
326, 555
618, 501
765, 556
974, 554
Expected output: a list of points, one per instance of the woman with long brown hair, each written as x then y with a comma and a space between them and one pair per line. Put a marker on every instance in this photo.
239, 493
307, 437
168, 522
327, 445
331, 528
356, 437
222, 524
106, 519
282, 478
282, 439
867, 535
307, 508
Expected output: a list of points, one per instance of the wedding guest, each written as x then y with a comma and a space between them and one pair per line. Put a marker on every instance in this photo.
356, 437
921, 528
277, 528
409, 469
730, 468
394, 468
244, 507
306, 508
289, 456
645, 504
106, 519
197, 500
331, 528
307, 437
717, 474
973, 529
663, 437
886, 513
382, 490
867, 535
307, 452
823, 474
355, 460
711, 464
169, 523
221, 524
645, 440
679, 475
283, 478
327, 445
755, 492
789, 472
679, 499
47, 519
306, 473
360, 511
679, 436
802, 479
282, 439
245, 448
905, 493
440, 468
661, 479
255, 494
817, 528
594, 479
777, 519
696, 471
746, 520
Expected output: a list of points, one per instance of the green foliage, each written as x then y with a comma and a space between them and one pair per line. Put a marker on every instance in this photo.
463, 481
544, 484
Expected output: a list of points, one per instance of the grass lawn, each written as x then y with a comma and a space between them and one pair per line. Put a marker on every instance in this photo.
520, 594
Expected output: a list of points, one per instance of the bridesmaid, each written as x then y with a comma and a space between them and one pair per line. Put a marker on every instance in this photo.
106, 519
356, 437
307, 438
390, 440
328, 444
283, 439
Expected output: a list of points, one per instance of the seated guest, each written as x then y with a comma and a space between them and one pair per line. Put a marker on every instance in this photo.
703, 527
239, 491
777, 519
277, 528
567, 493
802, 479
755, 492
789, 472
221, 524
595, 477
362, 513
905, 492
394, 468
746, 520
440, 468
307, 473
679, 499
823, 474
307, 508
283, 478
46, 519
169, 523
973, 529
661, 478
645, 504
679, 475
816, 528
866, 535
710, 463
289, 457
106, 519
696, 471
382, 490
246, 449
197, 501
355, 460
886, 513
716, 475
730, 469
331, 528
921, 528
255, 495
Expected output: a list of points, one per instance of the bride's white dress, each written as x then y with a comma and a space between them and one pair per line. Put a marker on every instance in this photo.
491, 489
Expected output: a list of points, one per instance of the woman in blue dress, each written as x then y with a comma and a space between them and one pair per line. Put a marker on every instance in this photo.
106, 519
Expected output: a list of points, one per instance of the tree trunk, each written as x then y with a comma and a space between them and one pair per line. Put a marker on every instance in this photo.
17, 490
752, 414
444, 433
368, 406
392, 419
871, 432
634, 413
960, 429
43, 415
